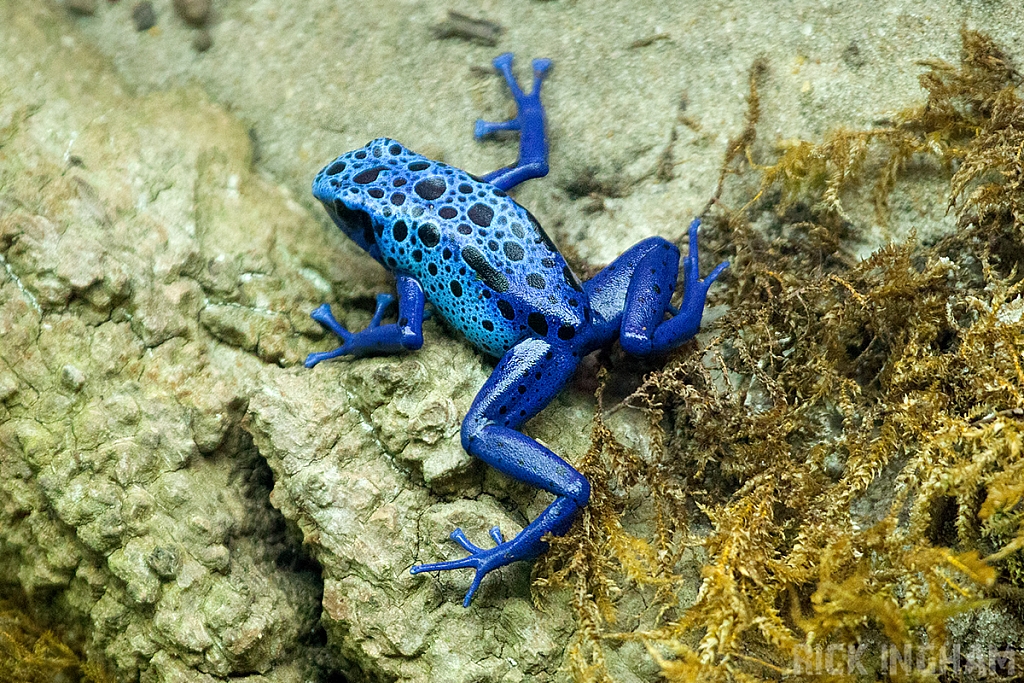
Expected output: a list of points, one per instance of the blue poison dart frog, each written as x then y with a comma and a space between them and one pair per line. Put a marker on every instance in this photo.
488, 268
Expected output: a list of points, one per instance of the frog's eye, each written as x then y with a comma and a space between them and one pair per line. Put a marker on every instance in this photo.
353, 221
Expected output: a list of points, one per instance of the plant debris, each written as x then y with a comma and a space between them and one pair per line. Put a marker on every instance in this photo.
846, 451
464, 27
31, 654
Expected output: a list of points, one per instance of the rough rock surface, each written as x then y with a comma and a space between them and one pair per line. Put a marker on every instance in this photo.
636, 85
130, 499
155, 292
153, 318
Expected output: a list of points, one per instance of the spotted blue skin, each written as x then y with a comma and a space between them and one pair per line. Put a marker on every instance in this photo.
487, 267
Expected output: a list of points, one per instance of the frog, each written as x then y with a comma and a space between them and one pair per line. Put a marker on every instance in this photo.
487, 267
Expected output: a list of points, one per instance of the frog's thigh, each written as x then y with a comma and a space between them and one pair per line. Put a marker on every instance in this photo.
525, 380
648, 296
635, 287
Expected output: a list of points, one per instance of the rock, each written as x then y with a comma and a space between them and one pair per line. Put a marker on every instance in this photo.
143, 15
143, 253
203, 41
83, 7
126, 483
194, 12
156, 298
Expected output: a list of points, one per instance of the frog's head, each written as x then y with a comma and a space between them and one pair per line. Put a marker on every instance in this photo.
346, 200
349, 213
350, 189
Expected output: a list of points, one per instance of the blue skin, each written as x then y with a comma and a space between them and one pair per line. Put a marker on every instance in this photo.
488, 268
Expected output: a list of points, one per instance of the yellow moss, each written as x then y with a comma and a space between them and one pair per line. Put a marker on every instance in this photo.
825, 375
31, 654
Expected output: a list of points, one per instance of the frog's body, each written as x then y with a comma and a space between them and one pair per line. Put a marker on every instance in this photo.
483, 261
489, 269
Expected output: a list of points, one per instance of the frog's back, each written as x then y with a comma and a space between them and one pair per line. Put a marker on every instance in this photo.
483, 260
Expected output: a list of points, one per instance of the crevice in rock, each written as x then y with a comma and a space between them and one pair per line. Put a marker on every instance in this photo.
281, 540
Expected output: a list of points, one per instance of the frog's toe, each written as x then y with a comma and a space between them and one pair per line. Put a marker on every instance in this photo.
460, 537
322, 314
485, 128
467, 562
314, 358
691, 269
713, 275
503, 63
384, 300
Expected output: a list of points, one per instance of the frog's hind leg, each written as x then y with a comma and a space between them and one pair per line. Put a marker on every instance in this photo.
529, 121
524, 381
630, 297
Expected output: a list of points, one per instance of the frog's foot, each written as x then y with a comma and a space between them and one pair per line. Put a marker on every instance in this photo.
481, 560
529, 121
632, 296
696, 291
350, 341
556, 520
529, 111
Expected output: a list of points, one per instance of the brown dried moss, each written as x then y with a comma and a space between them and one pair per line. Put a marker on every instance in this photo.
851, 437
30, 653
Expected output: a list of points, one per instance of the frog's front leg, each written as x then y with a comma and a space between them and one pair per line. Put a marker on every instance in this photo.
405, 335
631, 297
529, 121
524, 381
